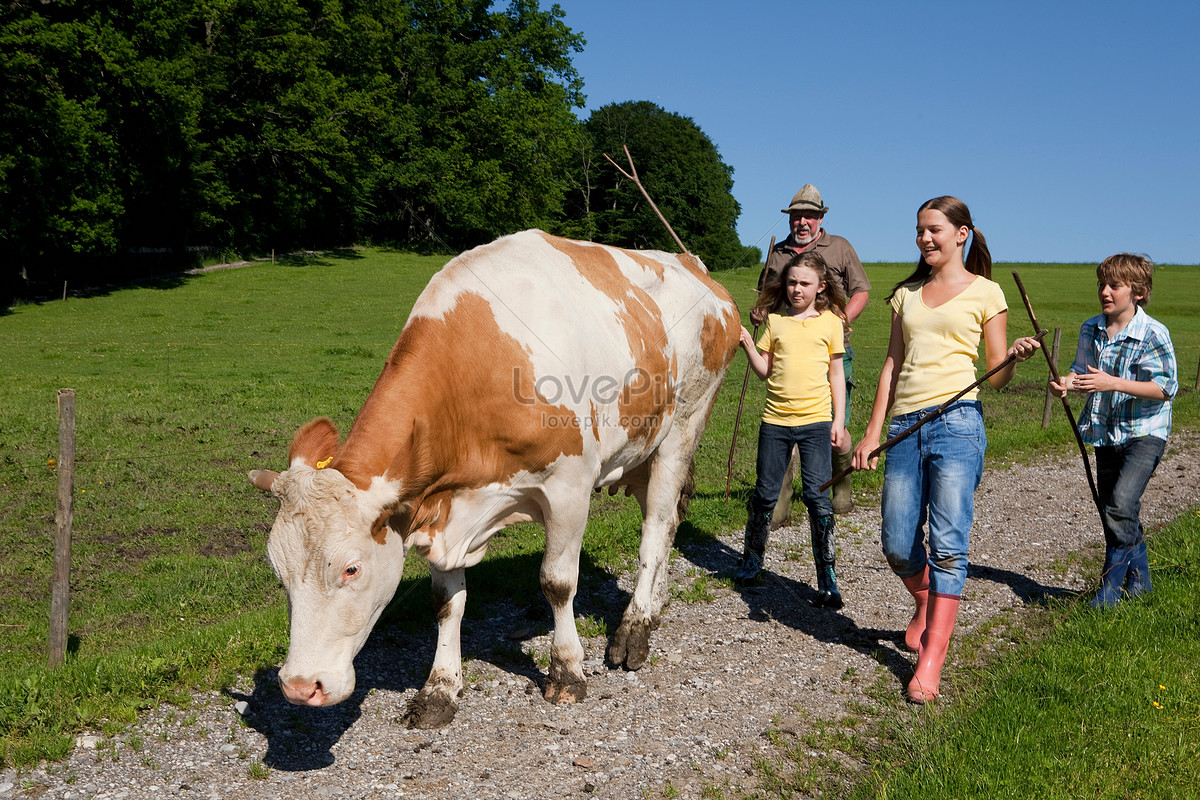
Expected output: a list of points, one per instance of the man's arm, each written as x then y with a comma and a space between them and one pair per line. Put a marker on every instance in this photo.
855, 305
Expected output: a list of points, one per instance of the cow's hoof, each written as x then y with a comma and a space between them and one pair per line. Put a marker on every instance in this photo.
573, 691
427, 711
631, 645
563, 685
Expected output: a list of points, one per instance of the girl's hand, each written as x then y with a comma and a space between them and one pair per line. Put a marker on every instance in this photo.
745, 339
862, 453
1024, 347
839, 437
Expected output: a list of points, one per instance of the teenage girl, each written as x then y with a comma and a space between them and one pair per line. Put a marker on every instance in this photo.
939, 314
800, 356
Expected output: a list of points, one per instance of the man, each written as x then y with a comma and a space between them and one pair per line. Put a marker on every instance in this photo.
806, 215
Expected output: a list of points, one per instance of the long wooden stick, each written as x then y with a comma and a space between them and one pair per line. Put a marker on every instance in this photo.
634, 177
745, 382
64, 514
928, 416
1050, 394
1087, 465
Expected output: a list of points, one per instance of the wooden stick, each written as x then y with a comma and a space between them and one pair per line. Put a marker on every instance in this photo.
1087, 465
1049, 394
60, 590
929, 416
745, 382
634, 177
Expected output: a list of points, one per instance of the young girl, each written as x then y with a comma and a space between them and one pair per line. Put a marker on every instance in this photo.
800, 356
939, 313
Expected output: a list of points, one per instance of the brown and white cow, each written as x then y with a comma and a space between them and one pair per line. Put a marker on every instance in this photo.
531, 371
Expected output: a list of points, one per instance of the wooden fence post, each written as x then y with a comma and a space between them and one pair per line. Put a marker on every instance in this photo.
60, 589
1049, 396
1198, 375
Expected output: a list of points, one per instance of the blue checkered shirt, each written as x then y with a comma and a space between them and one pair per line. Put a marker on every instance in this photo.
1141, 352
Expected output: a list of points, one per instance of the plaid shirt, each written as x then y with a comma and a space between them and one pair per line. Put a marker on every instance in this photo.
1141, 352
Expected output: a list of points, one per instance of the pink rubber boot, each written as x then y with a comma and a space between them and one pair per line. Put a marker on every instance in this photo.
918, 587
939, 623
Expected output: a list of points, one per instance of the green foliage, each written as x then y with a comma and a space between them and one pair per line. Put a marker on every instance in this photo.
474, 110
184, 129
249, 125
698, 591
681, 170
590, 626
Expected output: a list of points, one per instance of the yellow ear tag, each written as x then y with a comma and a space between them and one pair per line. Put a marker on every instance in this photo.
325, 463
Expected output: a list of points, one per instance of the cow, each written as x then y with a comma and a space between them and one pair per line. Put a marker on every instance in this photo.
531, 371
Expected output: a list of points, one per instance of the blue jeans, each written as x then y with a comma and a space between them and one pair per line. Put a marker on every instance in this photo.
816, 464
930, 479
1122, 472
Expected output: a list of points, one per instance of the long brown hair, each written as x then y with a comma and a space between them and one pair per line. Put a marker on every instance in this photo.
773, 297
979, 258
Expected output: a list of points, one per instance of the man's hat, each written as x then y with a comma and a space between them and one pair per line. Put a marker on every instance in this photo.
807, 199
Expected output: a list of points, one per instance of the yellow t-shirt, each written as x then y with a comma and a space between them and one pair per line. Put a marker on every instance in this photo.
941, 344
798, 387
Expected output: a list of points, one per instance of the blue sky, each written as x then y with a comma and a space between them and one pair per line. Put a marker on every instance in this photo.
1071, 129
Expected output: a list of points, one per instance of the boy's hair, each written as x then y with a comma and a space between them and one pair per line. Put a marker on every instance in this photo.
979, 257
1136, 271
773, 297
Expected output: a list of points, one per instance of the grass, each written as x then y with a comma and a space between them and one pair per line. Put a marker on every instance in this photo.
1097, 705
186, 384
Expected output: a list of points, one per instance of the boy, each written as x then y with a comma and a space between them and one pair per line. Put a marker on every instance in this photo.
1125, 364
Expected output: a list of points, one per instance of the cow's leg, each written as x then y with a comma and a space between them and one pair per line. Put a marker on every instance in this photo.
560, 580
662, 507
436, 703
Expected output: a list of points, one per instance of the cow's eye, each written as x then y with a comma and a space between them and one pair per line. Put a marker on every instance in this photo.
351, 572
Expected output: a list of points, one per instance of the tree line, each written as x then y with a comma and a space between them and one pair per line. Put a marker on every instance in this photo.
143, 135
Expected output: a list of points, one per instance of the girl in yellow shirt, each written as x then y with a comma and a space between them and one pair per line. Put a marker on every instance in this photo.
939, 314
799, 355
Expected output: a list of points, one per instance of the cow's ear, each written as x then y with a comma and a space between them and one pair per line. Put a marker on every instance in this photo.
316, 443
263, 478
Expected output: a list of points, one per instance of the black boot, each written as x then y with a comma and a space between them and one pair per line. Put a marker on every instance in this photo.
757, 529
825, 559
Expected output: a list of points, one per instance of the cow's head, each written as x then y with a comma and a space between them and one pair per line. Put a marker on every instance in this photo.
337, 559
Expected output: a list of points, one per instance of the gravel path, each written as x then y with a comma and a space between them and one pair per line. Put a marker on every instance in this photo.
722, 674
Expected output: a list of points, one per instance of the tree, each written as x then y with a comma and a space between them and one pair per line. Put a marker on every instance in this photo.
62, 185
242, 125
482, 135
680, 168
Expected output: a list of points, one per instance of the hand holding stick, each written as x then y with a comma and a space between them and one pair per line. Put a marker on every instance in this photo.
927, 417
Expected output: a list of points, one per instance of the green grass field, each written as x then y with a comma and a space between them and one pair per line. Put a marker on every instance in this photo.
1097, 705
185, 385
